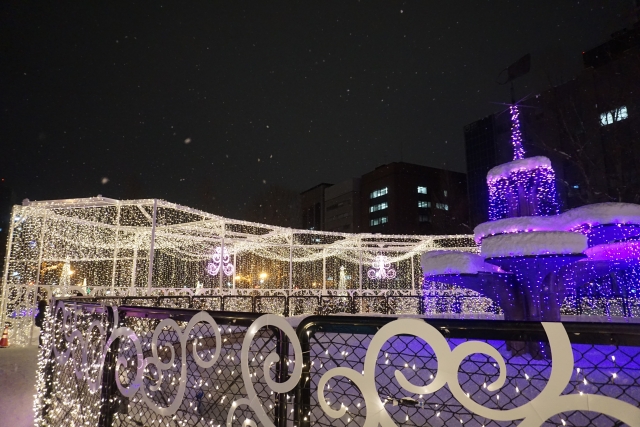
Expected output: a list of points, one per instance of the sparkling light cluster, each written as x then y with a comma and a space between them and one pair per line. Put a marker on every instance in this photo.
381, 269
523, 193
220, 258
407, 371
516, 134
103, 246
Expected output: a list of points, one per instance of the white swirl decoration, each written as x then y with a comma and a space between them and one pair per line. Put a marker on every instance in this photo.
97, 353
91, 358
155, 361
89, 366
548, 403
252, 399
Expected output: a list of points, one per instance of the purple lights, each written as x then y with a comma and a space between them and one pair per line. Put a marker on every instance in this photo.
616, 251
516, 135
524, 192
546, 258
522, 187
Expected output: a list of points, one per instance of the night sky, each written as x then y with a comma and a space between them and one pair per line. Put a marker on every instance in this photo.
207, 104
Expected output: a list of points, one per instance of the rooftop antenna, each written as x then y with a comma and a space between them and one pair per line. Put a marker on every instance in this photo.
518, 69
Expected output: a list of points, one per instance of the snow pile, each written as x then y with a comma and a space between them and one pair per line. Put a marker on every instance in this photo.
450, 262
591, 215
601, 213
542, 243
619, 251
505, 169
516, 225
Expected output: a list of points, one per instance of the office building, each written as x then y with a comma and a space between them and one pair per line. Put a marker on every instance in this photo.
396, 198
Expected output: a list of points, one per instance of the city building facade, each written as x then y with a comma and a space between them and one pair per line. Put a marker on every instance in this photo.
342, 204
396, 198
312, 207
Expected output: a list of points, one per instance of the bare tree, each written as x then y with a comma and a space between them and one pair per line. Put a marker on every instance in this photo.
591, 126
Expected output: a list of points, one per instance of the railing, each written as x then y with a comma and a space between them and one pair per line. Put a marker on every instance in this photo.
157, 366
451, 305
458, 303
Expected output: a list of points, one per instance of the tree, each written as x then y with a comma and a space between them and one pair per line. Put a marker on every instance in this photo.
590, 126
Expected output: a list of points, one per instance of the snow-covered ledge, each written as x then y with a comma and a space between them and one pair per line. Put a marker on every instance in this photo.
451, 262
506, 169
589, 215
541, 243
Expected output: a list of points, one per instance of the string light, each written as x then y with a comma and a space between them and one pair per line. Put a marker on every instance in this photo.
381, 269
107, 244
516, 134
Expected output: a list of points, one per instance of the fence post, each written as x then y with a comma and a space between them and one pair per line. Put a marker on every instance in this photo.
109, 390
578, 302
303, 389
48, 370
152, 247
282, 375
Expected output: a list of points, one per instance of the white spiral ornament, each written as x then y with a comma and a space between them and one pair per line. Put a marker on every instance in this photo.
252, 399
534, 413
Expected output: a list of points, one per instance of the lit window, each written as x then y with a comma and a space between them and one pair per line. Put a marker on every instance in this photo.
424, 218
422, 190
378, 221
442, 206
445, 193
423, 204
613, 116
378, 193
379, 207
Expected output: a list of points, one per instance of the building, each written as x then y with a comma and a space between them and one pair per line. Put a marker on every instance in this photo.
312, 207
588, 127
397, 198
342, 206
403, 198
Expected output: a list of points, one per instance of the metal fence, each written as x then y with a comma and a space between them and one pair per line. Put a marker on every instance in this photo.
159, 366
295, 305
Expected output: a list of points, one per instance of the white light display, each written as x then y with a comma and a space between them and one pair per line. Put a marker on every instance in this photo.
219, 259
381, 269
153, 247
77, 340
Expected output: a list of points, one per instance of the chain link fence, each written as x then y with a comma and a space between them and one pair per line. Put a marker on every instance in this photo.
606, 362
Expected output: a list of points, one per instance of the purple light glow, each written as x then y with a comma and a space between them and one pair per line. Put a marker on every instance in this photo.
619, 251
523, 193
516, 134
601, 223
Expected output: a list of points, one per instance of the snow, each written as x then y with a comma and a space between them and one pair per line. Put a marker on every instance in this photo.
572, 220
505, 169
450, 262
602, 213
541, 243
617, 251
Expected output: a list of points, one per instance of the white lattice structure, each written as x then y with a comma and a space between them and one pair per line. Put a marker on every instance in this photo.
152, 247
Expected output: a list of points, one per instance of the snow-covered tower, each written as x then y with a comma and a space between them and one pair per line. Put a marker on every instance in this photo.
524, 186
